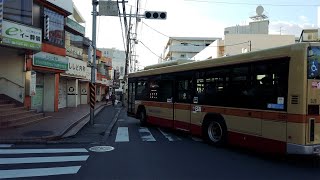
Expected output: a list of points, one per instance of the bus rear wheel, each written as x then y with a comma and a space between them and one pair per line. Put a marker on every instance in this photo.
215, 132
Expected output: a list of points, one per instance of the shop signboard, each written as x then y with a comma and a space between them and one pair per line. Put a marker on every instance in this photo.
75, 26
18, 35
74, 51
88, 73
77, 67
50, 61
1, 16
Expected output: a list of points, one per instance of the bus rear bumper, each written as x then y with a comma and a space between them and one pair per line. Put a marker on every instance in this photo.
303, 149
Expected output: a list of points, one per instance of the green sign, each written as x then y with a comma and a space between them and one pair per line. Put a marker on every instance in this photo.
50, 61
19, 35
75, 26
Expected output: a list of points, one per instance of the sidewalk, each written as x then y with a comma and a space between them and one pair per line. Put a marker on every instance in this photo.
60, 123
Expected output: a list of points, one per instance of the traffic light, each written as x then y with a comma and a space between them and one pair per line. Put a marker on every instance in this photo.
155, 15
46, 27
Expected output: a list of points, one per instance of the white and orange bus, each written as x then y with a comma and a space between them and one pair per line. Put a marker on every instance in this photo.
266, 100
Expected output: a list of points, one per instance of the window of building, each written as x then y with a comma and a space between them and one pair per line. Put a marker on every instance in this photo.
182, 55
56, 27
18, 11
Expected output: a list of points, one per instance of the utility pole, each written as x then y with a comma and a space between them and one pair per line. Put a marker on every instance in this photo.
249, 46
93, 66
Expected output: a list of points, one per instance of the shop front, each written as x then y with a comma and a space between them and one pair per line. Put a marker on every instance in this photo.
46, 69
76, 82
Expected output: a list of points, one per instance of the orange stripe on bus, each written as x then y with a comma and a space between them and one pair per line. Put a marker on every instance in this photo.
158, 104
273, 116
182, 106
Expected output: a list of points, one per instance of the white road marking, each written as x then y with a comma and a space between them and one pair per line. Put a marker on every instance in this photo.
146, 134
122, 134
17, 173
42, 159
169, 136
41, 151
5, 145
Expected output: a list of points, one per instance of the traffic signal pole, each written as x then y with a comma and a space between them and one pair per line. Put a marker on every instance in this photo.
93, 66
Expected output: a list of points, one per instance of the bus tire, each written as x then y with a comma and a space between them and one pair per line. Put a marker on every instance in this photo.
142, 117
215, 132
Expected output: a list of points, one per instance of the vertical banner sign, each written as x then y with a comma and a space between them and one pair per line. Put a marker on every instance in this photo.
33, 83
1, 16
92, 95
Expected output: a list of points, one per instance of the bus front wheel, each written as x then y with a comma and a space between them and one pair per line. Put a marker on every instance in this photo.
215, 132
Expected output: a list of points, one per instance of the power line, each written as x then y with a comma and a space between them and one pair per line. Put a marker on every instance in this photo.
150, 50
251, 4
191, 43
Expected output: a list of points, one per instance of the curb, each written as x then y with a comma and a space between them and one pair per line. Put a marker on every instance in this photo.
109, 129
47, 139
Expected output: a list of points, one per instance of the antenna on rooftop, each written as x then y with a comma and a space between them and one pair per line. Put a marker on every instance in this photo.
260, 14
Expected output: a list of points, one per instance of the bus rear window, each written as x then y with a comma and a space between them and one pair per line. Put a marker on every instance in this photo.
313, 62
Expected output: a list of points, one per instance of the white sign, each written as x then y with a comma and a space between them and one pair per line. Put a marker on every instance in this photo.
77, 67
280, 100
104, 81
63, 4
1, 16
33, 82
108, 8
19, 35
88, 73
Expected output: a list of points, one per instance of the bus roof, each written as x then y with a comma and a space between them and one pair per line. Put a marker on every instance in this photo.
272, 53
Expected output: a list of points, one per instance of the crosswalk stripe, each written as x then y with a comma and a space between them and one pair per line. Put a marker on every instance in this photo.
16, 173
146, 134
42, 159
41, 151
122, 134
5, 145
169, 136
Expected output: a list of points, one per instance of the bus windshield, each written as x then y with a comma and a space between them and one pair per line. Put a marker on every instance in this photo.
314, 62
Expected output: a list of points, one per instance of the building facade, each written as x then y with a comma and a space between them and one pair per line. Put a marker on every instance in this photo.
44, 56
118, 58
185, 47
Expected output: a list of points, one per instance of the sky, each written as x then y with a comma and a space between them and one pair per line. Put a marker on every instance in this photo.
196, 18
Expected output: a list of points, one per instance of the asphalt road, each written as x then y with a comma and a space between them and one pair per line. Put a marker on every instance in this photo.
147, 153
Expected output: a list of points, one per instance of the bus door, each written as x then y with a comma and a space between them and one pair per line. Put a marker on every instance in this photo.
161, 111
131, 97
182, 105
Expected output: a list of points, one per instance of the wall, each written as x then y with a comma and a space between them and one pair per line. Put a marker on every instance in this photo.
209, 52
11, 67
258, 42
49, 92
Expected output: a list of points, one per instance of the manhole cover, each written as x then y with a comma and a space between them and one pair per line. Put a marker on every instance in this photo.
38, 133
101, 148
